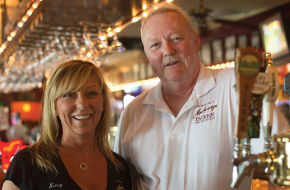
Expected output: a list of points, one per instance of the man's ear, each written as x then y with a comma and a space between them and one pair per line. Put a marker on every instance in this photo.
197, 42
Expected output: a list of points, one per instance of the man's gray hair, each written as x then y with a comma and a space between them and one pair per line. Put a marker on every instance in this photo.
165, 7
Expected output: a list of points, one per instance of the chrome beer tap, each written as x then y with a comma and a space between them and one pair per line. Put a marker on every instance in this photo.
273, 163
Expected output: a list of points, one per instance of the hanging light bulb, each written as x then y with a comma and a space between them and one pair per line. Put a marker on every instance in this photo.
118, 29
20, 24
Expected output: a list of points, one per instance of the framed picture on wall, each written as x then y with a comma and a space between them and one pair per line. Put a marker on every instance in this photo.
255, 39
243, 41
205, 54
230, 46
217, 51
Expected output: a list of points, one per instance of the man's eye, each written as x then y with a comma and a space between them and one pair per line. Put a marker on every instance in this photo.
155, 45
176, 39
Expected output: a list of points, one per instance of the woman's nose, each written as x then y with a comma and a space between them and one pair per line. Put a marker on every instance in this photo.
82, 100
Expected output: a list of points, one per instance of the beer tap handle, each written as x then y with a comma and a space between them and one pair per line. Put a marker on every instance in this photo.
247, 66
269, 99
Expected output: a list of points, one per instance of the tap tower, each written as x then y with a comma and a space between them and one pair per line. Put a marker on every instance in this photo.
257, 88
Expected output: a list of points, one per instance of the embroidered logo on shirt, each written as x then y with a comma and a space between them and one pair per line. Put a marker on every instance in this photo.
54, 185
120, 185
205, 112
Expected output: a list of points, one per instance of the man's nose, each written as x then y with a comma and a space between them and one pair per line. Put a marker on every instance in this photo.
168, 48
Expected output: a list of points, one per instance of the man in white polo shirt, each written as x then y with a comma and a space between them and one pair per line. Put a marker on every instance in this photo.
180, 134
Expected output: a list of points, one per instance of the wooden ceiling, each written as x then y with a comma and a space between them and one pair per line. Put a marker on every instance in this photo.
65, 16
231, 10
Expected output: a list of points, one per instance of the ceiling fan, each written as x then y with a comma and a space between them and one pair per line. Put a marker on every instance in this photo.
202, 19
201, 15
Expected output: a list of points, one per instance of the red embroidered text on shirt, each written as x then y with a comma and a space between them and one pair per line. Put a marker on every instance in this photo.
205, 112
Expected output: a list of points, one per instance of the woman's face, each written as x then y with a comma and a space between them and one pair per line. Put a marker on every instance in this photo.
80, 111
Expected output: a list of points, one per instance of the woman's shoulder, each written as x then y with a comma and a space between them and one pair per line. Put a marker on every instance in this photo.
118, 157
20, 165
22, 160
119, 178
24, 154
121, 160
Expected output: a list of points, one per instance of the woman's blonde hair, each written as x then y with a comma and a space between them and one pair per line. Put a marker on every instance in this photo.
69, 76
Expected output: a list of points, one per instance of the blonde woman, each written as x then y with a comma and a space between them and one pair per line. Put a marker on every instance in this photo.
73, 151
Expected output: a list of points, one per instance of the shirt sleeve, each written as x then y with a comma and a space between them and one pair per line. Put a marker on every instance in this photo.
18, 168
118, 144
118, 148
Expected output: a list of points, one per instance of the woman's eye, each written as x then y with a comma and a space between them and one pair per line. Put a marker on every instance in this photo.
93, 93
67, 95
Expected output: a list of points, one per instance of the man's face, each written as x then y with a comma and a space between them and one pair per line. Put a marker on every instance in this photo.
171, 47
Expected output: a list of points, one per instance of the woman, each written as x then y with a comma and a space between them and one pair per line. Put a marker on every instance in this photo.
73, 151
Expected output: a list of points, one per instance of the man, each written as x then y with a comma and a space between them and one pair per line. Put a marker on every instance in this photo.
180, 134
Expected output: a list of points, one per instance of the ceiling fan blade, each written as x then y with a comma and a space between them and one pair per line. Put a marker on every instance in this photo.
239, 24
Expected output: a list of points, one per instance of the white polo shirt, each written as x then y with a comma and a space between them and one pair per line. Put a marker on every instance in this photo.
192, 151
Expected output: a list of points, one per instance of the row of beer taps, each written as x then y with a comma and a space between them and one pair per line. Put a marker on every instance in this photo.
258, 84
